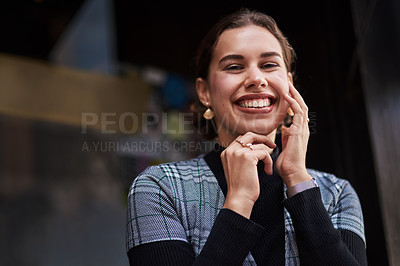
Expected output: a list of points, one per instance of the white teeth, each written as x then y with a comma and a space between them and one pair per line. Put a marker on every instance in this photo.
255, 103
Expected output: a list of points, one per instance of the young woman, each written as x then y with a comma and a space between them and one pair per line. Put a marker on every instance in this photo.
247, 202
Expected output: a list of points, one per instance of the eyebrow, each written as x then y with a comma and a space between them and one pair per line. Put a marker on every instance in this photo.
241, 57
270, 54
231, 56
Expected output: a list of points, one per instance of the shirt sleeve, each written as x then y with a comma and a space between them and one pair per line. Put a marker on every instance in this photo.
318, 241
347, 213
151, 214
229, 242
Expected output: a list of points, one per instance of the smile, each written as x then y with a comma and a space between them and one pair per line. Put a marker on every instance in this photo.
255, 103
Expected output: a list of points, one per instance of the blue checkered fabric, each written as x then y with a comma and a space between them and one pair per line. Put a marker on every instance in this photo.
181, 200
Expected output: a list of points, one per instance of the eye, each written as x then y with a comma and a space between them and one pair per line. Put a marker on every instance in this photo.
269, 65
233, 67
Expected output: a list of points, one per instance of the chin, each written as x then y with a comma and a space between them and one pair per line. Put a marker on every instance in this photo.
264, 129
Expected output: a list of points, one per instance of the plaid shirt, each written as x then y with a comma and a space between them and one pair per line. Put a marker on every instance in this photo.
181, 200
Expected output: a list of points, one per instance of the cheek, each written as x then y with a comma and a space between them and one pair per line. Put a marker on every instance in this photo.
221, 89
280, 82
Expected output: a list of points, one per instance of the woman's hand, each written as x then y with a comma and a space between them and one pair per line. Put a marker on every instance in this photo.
240, 160
291, 163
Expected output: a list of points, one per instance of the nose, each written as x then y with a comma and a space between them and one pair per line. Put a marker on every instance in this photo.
255, 79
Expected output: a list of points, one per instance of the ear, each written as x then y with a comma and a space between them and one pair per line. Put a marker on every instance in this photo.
290, 77
203, 91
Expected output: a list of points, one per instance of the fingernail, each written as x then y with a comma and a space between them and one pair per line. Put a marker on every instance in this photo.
290, 112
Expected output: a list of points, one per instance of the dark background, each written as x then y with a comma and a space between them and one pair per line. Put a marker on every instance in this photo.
166, 35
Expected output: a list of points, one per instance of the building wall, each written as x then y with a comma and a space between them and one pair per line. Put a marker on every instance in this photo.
377, 26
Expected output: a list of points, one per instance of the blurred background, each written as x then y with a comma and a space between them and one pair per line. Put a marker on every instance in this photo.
94, 91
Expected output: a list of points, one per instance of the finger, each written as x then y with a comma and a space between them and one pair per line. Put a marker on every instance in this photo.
268, 165
238, 146
299, 121
258, 147
285, 136
298, 111
254, 138
297, 96
240, 142
262, 153
293, 104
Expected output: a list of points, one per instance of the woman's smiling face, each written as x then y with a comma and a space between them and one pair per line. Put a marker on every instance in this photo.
246, 83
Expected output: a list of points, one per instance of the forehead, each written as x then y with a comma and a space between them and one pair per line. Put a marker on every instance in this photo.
246, 40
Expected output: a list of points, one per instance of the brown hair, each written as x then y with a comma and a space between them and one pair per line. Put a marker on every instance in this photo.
241, 18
